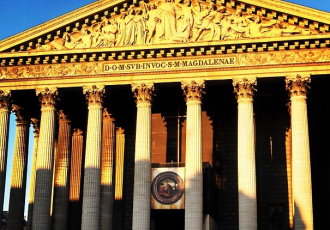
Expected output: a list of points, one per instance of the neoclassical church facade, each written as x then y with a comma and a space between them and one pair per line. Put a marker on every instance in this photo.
170, 114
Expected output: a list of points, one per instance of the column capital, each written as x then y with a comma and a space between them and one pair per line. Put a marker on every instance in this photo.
5, 102
94, 95
77, 132
120, 130
47, 97
297, 85
63, 118
36, 126
107, 116
244, 88
193, 91
143, 93
21, 116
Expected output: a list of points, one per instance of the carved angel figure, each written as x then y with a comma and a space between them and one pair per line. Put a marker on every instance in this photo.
153, 23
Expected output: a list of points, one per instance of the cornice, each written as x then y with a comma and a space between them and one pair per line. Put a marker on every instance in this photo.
292, 8
152, 51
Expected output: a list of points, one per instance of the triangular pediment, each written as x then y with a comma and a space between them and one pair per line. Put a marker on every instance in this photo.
106, 25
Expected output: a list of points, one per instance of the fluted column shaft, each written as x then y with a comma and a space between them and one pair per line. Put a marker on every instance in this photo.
301, 165
62, 179
35, 124
246, 156
108, 151
44, 174
92, 176
119, 178
142, 169
18, 179
75, 180
4, 126
194, 157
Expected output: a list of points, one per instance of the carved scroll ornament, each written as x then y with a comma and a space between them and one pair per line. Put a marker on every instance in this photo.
169, 21
193, 91
298, 86
244, 88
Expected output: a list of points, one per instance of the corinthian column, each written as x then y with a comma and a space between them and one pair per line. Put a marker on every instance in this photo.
194, 156
92, 176
44, 174
4, 125
75, 180
301, 167
142, 169
119, 180
247, 202
108, 150
35, 124
18, 179
61, 182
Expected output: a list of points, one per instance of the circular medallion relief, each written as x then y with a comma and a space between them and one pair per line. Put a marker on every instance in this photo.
167, 188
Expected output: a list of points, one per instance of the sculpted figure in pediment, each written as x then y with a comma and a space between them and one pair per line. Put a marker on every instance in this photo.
121, 35
153, 23
166, 21
140, 27
167, 11
130, 27
257, 30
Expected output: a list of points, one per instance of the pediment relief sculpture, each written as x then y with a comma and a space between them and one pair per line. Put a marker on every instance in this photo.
172, 21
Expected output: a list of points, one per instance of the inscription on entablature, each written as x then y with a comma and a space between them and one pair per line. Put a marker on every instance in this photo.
171, 65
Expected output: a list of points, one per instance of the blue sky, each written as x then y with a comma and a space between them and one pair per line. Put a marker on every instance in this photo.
19, 15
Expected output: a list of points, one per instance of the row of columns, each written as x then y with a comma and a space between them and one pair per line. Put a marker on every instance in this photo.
99, 158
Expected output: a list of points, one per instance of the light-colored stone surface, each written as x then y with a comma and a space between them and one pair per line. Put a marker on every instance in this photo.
18, 178
92, 174
62, 174
301, 164
194, 169
142, 170
75, 179
44, 174
107, 170
4, 126
247, 188
35, 124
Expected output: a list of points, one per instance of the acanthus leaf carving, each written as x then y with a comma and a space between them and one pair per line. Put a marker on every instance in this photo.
21, 116
107, 116
36, 126
297, 86
143, 93
244, 88
47, 97
94, 95
169, 21
5, 101
77, 132
62, 117
193, 91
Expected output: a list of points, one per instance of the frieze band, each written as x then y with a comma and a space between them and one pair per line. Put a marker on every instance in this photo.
221, 61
